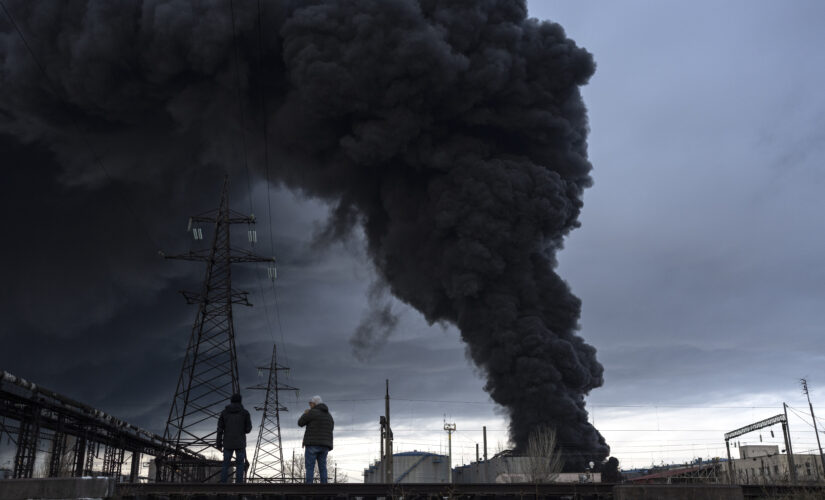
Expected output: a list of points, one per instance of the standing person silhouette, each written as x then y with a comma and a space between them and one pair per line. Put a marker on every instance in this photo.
233, 426
317, 437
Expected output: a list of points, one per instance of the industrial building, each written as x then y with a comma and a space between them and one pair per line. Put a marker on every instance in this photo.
412, 467
423, 467
515, 470
763, 464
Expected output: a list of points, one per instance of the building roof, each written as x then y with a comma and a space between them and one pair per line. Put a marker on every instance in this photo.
417, 454
671, 472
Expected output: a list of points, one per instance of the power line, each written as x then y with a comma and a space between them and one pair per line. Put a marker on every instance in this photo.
493, 403
265, 127
266, 163
240, 102
266, 166
801, 417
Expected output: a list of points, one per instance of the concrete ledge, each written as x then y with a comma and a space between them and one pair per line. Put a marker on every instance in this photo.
677, 492
57, 488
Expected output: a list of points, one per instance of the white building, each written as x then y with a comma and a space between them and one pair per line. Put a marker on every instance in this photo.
765, 464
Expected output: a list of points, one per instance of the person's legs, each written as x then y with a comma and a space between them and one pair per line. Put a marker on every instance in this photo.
309, 460
240, 465
322, 463
227, 457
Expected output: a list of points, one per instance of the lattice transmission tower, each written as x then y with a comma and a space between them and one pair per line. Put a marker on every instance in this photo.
268, 462
209, 375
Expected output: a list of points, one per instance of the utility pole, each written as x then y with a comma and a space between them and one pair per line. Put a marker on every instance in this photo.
268, 462
450, 428
382, 422
209, 375
388, 478
813, 417
789, 447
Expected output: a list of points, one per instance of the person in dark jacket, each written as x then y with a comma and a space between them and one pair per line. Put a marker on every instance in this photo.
233, 426
317, 437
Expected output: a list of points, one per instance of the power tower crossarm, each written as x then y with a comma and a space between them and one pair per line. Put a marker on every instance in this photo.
237, 297
236, 257
236, 219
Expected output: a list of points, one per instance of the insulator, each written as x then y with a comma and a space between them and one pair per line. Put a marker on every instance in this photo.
200, 233
273, 273
189, 227
260, 372
195, 232
253, 235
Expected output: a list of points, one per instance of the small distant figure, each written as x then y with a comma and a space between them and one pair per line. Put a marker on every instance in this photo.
317, 437
233, 426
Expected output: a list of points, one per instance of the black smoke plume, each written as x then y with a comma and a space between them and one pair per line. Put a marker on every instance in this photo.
452, 132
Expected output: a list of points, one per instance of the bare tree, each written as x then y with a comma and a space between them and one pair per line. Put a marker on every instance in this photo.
544, 461
65, 468
295, 471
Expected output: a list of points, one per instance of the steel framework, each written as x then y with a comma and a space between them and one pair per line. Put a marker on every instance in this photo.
776, 419
32, 414
209, 375
268, 462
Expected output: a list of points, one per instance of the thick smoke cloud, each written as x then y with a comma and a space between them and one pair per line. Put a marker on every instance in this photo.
452, 133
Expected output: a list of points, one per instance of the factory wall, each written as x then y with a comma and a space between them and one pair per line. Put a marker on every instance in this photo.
514, 470
412, 467
764, 464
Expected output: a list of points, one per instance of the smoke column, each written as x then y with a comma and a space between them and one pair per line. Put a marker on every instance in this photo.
452, 132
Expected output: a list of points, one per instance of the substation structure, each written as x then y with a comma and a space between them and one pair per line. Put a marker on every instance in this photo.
72, 435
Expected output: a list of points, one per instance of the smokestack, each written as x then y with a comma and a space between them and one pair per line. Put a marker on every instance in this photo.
452, 132
485, 443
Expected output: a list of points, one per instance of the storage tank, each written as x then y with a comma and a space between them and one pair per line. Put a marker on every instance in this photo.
412, 467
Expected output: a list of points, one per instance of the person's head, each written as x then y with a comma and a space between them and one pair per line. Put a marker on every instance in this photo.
236, 398
314, 401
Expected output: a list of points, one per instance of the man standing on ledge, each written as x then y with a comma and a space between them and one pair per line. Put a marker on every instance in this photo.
233, 426
317, 437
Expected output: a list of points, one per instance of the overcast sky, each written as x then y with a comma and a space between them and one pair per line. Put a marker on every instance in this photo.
697, 260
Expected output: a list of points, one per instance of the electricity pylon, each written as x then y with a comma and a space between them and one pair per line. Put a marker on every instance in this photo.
268, 462
209, 375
